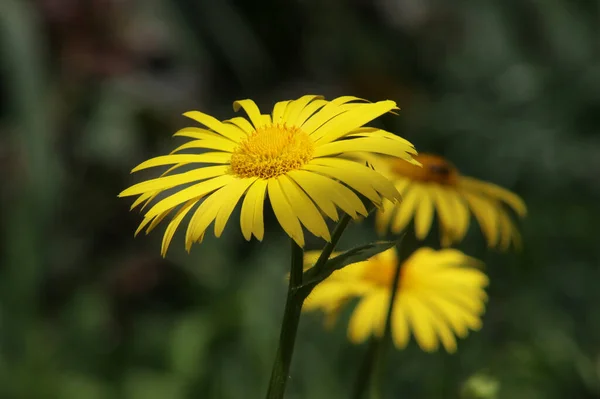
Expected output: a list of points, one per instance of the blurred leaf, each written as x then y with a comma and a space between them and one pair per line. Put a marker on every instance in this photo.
76, 386
480, 386
110, 136
145, 384
189, 343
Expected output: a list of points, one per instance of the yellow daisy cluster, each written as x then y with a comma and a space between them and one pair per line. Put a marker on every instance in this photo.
310, 158
296, 156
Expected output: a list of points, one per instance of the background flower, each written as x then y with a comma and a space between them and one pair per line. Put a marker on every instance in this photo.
441, 295
438, 187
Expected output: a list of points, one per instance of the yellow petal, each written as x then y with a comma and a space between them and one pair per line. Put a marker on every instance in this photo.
486, 214
266, 120
384, 216
406, 209
319, 197
258, 224
374, 132
235, 191
147, 220
196, 191
347, 177
400, 330
241, 123
207, 157
367, 316
296, 107
198, 133
251, 217
279, 111
464, 296
376, 180
420, 319
308, 111
506, 230
156, 221
303, 207
495, 191
387, 257
162, 183
211, 144
329, 111
284, 213
231, 132
459, 318
423, 214
441, 327
251, 110
332, 291
345, 123
204, 215
461, 215
442, 204
369, 144
323, 189
145, 197
172, 226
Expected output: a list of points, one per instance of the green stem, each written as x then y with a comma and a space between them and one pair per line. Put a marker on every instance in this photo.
293, 307
330, 246
289, 327
365, 370
379, 358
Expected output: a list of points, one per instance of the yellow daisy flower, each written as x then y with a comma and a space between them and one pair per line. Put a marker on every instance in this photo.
297, 156
440, 297
439, 186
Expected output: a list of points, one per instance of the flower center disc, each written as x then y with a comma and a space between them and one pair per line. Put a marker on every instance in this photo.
435, 169
272, 151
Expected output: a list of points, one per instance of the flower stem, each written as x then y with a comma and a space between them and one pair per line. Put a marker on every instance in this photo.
293, 307
371, 369
289, 327
364, 372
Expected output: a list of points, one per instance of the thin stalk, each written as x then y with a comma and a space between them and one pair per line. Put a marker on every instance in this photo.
330, 246
364, 372
379, 358
289, 327
372, 367
293, 308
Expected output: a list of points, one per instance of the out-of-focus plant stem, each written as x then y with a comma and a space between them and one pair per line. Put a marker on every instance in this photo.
35, 186
371, 370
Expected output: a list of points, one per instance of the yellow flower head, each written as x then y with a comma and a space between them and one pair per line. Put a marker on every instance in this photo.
298, 156
438, 185
440, 295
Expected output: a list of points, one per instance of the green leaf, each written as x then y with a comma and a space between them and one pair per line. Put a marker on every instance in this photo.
361, 253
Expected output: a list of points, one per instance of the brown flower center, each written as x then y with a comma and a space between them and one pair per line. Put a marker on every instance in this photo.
435, 169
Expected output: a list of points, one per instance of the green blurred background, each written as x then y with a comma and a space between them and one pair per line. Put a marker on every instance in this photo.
507, 89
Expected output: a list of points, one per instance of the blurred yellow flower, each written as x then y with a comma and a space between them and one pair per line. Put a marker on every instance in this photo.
440, 296
438, 185
297, 155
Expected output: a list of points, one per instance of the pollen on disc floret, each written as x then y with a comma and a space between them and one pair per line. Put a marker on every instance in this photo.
272, 151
